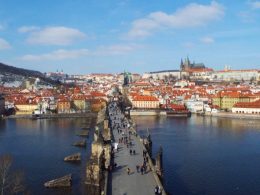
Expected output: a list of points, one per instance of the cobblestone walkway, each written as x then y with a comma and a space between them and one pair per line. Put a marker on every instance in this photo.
135, 183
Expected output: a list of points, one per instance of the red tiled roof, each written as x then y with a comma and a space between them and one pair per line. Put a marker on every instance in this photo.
255, 104
97, 94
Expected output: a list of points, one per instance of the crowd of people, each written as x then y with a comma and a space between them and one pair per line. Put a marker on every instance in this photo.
120, 125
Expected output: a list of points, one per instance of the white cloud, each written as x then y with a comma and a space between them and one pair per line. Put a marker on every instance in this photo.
193, 15
25, 29
4, 44
72, 54
207, 40
62, 54
255, 4
57, 35
57, 55
116, 49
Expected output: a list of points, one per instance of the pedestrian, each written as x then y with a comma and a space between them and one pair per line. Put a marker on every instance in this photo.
128, 171
143, 153
159, 190
142, 170
137, 168
110, 168
130, 152
156, 190
134, 152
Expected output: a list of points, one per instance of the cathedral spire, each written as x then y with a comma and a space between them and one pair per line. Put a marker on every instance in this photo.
182, 65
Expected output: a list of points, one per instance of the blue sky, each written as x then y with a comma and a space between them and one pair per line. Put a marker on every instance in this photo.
90, 36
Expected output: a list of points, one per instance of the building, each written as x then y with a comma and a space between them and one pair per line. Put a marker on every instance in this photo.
174, 74
235, 75
63, 105
25, 107
195, 70
195, 105
226, 100
57, 76
145, 101
2, 105
201, 73
97, 104
79, 102
247, 107
186, 65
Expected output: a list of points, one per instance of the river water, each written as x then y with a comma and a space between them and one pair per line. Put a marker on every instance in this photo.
203, 155
38, 148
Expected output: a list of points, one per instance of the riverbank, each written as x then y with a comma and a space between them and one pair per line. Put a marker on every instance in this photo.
147, 113
48, 116
233, 115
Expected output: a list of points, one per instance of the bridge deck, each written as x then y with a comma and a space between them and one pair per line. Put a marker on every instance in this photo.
135, 182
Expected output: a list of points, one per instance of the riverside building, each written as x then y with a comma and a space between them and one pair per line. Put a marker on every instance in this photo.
145, 101
247, 107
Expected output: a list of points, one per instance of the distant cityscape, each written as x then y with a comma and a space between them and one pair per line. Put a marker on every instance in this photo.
194, 87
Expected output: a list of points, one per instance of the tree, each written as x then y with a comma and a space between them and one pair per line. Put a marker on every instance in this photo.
10, 183
5, 164
252, 79
172, 77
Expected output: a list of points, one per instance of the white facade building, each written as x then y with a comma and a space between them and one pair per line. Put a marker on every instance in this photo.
235, 75
247, 107
195, 106
166, 73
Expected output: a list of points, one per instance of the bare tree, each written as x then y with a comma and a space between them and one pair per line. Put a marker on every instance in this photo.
10, 183
5, 164
17, 184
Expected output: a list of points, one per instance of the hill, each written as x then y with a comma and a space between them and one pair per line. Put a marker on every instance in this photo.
4, 69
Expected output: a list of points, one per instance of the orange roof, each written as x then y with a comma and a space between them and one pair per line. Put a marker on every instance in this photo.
200, 70
255, 104
97, 94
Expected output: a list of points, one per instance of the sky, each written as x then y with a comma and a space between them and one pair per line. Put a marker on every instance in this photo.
112, 36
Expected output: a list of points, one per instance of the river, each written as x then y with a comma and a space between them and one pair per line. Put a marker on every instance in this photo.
204, 155
38, 148
201, 155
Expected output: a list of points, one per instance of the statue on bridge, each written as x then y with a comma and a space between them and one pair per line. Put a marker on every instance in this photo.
127, 78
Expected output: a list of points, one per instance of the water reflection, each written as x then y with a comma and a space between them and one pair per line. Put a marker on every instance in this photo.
2, 125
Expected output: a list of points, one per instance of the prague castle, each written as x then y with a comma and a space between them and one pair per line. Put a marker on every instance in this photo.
187, 65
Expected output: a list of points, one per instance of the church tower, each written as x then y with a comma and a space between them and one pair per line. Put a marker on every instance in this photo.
182, 65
